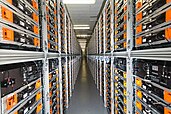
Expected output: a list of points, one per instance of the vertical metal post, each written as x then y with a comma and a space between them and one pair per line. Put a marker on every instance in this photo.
67, 90
112, 85
100, 48
100, 77
46, 97
65, 25
59, 26
70, 76
104, 30
73, 71
105, 82
130, 94
112, 26
97, 67
60, 85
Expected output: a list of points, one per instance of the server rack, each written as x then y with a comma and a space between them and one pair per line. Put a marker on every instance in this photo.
145, 49
120, 25
30, 59
20, 25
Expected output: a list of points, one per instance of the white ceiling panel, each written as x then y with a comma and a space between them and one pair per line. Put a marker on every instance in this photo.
84, 15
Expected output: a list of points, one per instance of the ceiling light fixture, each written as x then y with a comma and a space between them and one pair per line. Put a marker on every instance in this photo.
83, 35
81, 28
79, 1
81, 25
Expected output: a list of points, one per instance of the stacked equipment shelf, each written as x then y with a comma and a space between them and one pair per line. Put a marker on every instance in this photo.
120, 24
152, 87
152, 24
139, 64
51, 12
108, 27
31, 62
120, 86
19, 24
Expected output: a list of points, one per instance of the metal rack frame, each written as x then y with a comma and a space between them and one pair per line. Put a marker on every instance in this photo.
163, 54
17, 56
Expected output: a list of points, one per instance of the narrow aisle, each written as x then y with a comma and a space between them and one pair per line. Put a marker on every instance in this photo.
86, 99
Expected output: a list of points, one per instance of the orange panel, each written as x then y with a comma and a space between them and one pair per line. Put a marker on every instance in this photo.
50, 85
125, 109
7, 14
50, 76
139, 28
139, 105
39, 108
8, 34
138, 82
139, 94
50, 93
36, 29
125, 8
125, 26
137, 113
36, 42
125, 101
38, 84
35, 5
124, 45
139, 4
35, 17
168, 18
12, 101
167, 96
139, 16
167, 111
48, 36
138, 41
168, 33
168, 1
38, 96
125, 35
10, 1
125, 92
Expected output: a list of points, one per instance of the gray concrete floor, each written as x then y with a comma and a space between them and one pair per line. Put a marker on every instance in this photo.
85, 99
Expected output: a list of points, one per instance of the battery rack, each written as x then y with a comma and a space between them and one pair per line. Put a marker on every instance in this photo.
19, 24
152, 87
21, 87
152, 24
107, 84
120, 25
54, 87
102, 33
140, 78
108, 27
62, 27
51, 15
120, 86
31, 64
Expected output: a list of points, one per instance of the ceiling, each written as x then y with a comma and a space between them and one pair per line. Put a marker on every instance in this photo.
84, 15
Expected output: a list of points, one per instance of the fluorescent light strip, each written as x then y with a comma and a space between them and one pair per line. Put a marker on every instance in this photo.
83, 35
81, 28
81, 25
79, 1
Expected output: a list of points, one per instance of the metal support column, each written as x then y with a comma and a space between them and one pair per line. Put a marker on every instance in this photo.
60, 86
112, 86
46, 97
130, 94
105, 83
